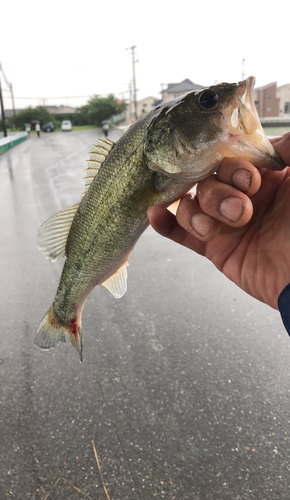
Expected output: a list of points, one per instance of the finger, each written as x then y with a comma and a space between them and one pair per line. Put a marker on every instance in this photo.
165, 223
282, 147
224, 202
241, 174
276, 139
192, 218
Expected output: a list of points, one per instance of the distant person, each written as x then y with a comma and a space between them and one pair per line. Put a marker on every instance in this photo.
37, 128
239, 220
106, 129
27, 128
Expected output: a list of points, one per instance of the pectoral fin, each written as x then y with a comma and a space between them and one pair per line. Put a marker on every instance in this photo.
52, 234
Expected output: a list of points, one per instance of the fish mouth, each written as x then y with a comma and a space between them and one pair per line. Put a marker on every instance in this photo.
245, 132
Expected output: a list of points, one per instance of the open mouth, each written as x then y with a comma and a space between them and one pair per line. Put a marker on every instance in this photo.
246, 130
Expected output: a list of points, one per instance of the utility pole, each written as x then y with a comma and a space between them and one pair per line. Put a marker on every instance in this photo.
134, 79
9, 85
243, 69
2, 111
13, 105
131, 105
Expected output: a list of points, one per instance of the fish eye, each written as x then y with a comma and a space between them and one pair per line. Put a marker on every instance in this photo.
208, 99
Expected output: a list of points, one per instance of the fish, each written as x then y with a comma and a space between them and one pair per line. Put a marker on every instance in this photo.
155, 162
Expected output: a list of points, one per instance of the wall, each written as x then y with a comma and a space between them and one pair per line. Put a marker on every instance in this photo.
266, 100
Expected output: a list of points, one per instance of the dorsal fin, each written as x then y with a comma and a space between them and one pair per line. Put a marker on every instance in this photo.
97, 157
53, 233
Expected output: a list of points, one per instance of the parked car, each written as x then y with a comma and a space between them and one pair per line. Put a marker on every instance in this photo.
66, 125
48, 127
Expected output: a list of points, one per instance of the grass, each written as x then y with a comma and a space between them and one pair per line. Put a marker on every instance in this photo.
276, 131
270, 131
58, 129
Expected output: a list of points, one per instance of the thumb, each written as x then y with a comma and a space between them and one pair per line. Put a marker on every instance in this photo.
282, 147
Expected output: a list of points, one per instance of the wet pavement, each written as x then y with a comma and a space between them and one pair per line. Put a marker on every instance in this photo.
184, 390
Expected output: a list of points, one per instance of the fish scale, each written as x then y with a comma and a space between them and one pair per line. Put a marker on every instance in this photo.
157, 160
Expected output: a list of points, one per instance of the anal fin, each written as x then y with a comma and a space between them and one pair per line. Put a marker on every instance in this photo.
117, 284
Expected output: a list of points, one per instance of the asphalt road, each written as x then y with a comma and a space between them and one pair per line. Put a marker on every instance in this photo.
184, 388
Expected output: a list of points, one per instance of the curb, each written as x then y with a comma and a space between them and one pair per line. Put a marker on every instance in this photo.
11, 141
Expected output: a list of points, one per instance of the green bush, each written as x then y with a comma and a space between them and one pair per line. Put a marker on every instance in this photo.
97, 110
28, 115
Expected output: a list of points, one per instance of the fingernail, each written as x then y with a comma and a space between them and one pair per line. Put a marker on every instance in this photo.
242, 179
232, 208
202, 224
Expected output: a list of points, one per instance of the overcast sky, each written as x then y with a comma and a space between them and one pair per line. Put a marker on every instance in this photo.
62, 48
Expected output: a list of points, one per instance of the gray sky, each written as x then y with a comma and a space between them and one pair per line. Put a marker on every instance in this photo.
64, 48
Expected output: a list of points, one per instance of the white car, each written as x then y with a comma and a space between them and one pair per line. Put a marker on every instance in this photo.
66, 125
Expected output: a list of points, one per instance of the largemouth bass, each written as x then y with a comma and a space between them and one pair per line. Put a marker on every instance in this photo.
159, 158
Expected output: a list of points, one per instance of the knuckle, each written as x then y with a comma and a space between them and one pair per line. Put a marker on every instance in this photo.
207, 195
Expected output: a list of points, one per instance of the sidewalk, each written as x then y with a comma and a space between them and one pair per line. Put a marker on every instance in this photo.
11, 140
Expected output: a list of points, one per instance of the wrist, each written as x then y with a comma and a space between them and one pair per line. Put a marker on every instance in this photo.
284, 307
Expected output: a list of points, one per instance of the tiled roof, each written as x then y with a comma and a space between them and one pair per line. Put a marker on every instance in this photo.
184, 86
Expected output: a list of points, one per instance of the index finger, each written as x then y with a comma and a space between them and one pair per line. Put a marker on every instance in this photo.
165, 223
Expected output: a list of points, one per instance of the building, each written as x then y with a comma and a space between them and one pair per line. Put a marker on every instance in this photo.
60, 110
9, 112
176, 89
172, 91
146, 105
143, 106
266, 100
283, 93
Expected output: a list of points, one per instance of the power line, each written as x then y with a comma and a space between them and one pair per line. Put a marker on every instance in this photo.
61, 97
5, 77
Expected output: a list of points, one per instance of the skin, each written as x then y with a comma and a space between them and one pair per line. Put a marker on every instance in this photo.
239, 220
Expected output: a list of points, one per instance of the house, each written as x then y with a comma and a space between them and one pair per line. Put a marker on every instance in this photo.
146, 105
60, 110
266, 100
173, 90
283, 93
143, 106
10, 112
55, 110
176, 89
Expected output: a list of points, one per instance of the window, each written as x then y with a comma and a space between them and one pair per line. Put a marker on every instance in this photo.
269, 95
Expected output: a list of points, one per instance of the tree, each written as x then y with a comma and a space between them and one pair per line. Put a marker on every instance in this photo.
28, 115
99, 109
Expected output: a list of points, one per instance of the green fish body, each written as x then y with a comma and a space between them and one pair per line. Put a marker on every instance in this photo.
160, 157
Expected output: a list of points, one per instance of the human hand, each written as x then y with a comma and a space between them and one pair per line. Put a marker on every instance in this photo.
240, 220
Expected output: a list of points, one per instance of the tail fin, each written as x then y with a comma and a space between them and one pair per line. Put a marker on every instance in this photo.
50, 332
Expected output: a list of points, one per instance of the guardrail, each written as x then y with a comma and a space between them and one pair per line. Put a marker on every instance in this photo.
275, 121
11, 141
